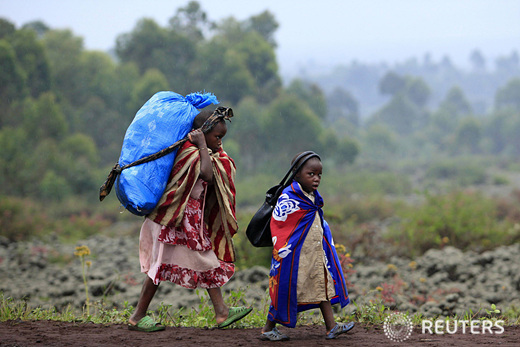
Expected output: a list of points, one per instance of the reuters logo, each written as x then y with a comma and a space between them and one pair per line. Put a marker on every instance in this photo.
398, 327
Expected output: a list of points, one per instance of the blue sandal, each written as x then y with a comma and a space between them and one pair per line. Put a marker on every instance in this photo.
339, 329
274, 335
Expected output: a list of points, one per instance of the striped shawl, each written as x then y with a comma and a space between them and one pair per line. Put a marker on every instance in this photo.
219, 210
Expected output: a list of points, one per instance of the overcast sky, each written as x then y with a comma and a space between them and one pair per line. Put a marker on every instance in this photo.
320, 31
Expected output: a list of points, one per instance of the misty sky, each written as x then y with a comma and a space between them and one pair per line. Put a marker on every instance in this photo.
319, 31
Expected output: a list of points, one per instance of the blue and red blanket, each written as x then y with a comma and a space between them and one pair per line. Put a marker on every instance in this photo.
292, 218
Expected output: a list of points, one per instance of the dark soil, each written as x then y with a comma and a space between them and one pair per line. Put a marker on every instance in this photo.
50, 333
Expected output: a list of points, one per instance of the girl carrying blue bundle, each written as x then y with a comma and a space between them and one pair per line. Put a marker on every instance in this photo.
187, 238
305, 270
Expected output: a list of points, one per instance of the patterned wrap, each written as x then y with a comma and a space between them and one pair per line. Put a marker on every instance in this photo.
219, 211
292, 218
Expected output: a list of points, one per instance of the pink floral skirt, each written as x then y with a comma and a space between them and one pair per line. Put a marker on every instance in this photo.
182, 255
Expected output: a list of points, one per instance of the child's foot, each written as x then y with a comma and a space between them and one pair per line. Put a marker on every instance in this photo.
145, 324
339, 329
274, 335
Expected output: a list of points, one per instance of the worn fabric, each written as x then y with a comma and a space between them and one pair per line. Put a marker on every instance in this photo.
292, 219
315, 283
179, 263
219, 210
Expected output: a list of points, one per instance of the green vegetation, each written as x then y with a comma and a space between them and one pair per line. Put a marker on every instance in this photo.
414, 171
202, 316
465, 220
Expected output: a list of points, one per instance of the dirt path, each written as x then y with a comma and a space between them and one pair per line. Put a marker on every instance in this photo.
49, 333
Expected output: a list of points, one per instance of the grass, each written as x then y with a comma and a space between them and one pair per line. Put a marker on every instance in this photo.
372, 314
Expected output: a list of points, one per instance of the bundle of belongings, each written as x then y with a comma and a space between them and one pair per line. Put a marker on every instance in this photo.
150, 146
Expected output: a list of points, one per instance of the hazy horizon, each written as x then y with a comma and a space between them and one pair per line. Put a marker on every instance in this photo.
311, 34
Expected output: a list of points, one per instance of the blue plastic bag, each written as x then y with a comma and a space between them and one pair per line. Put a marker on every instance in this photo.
163, 120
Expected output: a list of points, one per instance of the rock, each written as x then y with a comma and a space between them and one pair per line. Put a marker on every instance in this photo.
441, 282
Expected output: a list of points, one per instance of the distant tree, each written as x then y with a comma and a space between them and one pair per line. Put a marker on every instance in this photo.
446, 64
400, 114
379, 142
16, 162
64, 51
508, 64
509, 95
97, 72
81, 145
265, 24
290, 127
417, 91
32, 58
513, 140
225, 74
39, 27
414, 88
140, 45
477, 60
6, 28
50, 121
152, 47
496, 130
191, 20
105, 126
260, 60
12, 77
54, 187
347, 151
391, 84
468, 136
256, 54
81, 150
342, 105
126, 76
456, 103
153, 81
311, 94
247, 131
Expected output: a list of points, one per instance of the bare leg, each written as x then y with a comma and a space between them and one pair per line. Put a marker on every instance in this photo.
328, 315
269, 325
221, 309
147, 294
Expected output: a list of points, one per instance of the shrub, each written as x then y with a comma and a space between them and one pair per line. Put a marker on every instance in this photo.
20, 219
465, 220
462, 173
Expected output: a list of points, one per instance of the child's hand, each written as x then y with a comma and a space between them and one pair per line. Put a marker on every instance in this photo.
197, 138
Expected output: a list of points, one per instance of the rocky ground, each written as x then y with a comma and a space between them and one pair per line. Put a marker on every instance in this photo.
441, 282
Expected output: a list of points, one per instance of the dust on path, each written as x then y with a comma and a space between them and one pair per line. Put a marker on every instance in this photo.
51, 333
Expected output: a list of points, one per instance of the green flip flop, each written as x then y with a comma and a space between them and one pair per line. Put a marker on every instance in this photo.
235, 314
147, 325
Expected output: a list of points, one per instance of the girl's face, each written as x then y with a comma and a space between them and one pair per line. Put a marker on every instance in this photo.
214, 137
309, 176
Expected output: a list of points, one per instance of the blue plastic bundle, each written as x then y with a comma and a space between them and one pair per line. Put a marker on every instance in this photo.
163, 120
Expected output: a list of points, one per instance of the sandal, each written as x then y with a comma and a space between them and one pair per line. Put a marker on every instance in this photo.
274, 335
147, 325
235, 314
339, 329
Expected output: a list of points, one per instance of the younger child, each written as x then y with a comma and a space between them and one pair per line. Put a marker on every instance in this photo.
305, 269
187, 239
